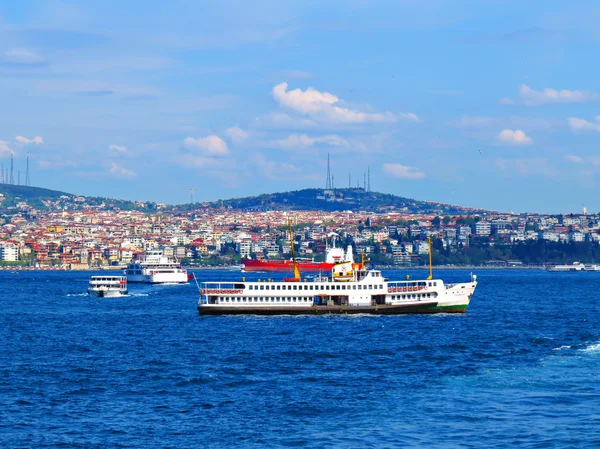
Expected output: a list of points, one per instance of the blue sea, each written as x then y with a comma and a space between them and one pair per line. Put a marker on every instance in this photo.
520, 369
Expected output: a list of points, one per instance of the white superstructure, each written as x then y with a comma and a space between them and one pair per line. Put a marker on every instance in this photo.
156, 268
107, 286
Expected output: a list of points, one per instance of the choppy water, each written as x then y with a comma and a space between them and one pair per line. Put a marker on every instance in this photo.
521, 368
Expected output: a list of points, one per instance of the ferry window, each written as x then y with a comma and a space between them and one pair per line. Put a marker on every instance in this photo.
311, 287
295, 287
278, 299
327, 287
360, 287
279, 287
262, 287
255, 299
434, 284
239, 299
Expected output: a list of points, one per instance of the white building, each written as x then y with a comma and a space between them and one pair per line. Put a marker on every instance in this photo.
9, 252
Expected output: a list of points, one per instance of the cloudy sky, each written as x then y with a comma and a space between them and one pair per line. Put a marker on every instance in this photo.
492, 104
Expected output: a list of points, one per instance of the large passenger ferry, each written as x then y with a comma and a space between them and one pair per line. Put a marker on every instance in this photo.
351, 289
156, 268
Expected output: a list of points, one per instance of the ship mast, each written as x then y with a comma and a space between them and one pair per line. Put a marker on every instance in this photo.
296, 271
430, 277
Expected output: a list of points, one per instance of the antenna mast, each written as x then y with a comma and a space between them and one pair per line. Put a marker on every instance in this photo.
192, 191
27, 180
12, 176
368, 179
328, 184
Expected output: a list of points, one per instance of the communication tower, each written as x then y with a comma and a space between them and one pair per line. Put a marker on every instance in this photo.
27, 180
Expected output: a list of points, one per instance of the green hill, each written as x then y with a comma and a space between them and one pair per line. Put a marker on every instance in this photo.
40, 198
307, 199
339, 200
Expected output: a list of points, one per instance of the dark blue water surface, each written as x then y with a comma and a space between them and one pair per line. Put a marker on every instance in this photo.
521, 368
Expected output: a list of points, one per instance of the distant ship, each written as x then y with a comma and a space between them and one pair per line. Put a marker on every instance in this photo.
333, 256
156, 268
575, 266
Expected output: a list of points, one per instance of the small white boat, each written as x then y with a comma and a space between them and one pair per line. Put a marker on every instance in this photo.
107, 286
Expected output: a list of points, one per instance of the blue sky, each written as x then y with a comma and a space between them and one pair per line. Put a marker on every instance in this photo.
492, 104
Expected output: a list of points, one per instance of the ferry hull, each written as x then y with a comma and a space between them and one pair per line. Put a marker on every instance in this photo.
400, 309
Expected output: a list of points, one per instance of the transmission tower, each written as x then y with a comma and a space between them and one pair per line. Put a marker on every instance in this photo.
27, 180
368, 179
192, 191
329, 183
12, 176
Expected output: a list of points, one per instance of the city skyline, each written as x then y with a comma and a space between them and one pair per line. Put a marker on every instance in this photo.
490, 106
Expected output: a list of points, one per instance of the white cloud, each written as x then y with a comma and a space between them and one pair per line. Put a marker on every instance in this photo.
303, 140
118, 148
37, 140
516, 137
211, 145
284, 121
531, 97
506, 100
579, 124
273, 169
590, 161
573, 158
321, 106
117, 170
483, 121
4, 148
402, 171
236, 135
23, 56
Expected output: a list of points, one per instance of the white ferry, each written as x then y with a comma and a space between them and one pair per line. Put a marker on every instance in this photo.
575, 266
352, 289
156, 268
107, 286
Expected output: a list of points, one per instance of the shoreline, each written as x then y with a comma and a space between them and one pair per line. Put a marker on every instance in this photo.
378, 267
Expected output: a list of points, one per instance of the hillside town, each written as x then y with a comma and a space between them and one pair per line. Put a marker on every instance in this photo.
92, 236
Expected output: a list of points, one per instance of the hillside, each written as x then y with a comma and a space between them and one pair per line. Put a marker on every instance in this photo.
307, 199
40, 198
339, 200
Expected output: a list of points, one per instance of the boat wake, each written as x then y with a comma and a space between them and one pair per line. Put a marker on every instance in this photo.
592, 348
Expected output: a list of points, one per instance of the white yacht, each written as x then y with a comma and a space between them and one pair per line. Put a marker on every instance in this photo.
107, 286
156, 268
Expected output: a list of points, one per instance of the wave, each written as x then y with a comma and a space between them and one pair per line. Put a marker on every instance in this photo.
77, 294
592, 348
